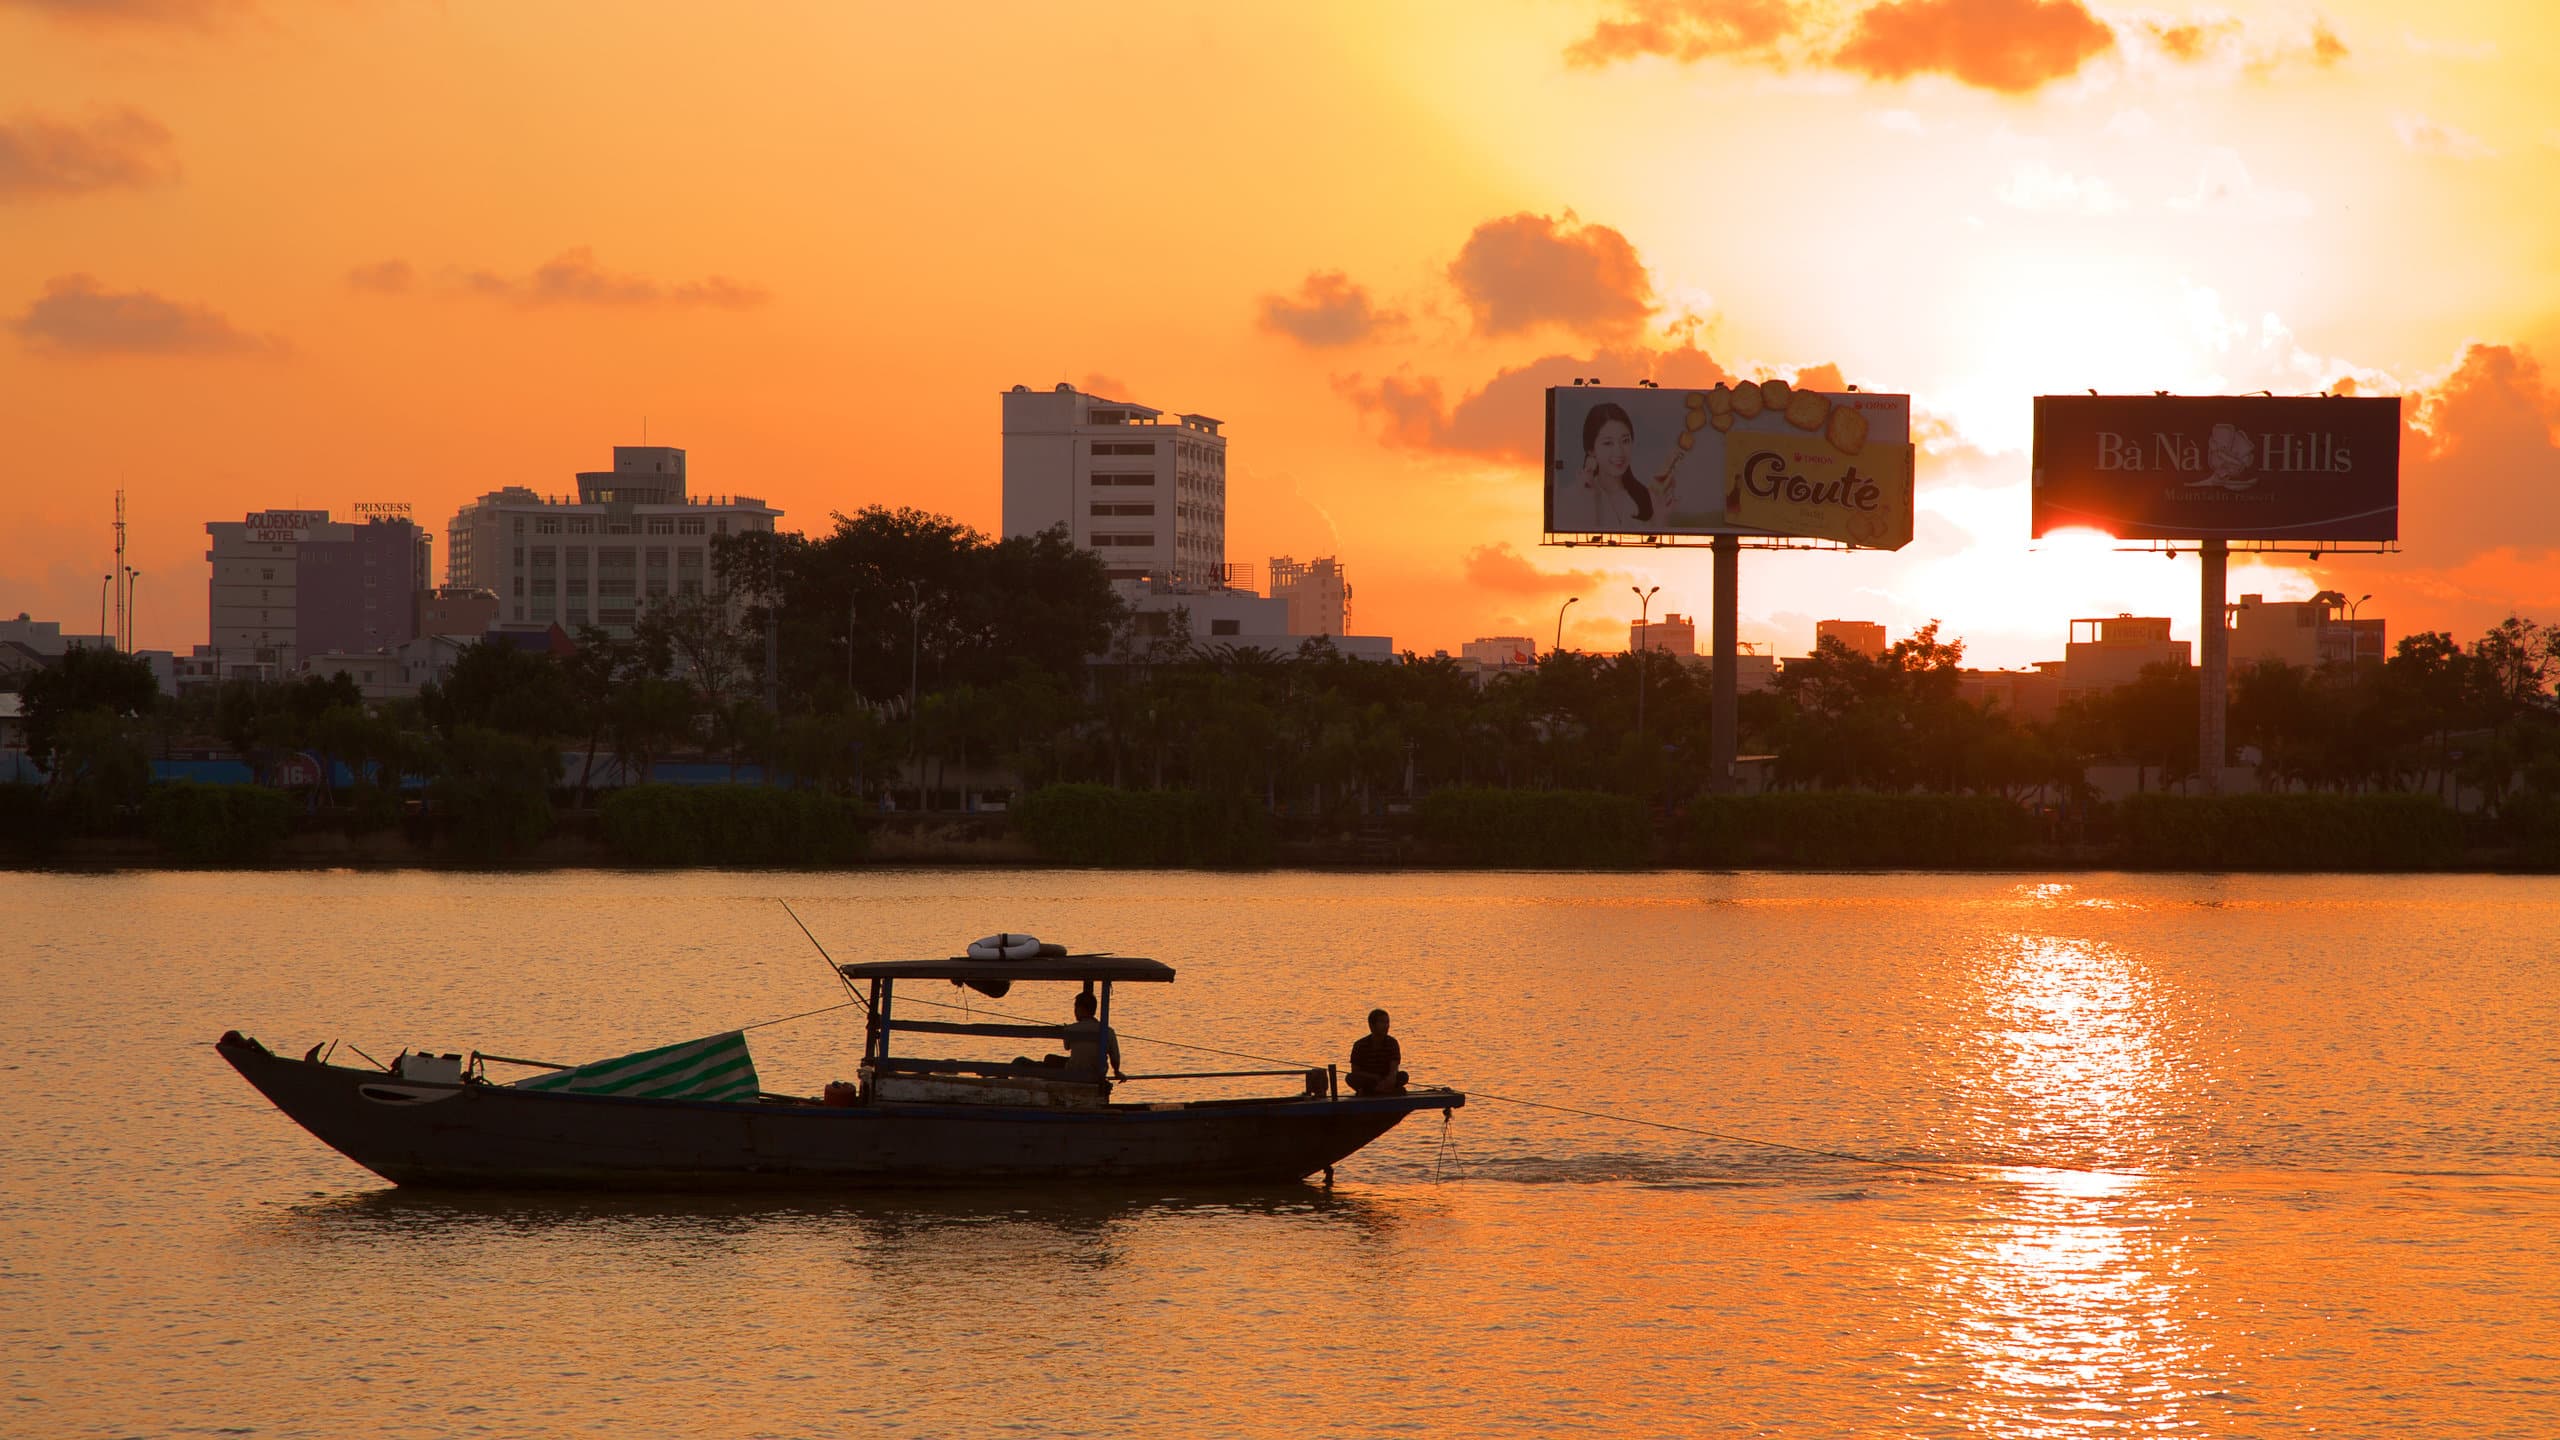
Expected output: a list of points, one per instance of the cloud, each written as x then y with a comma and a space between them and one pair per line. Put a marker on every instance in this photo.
2225, 186
2428, 137
1329, 309
1685, 30
1110, 387
1505, 418
193, 14
1505, 571
75, 315
2481, 469
43, 158
2193, 40
2011, 46
383, 277
574, 278
2037, 186
1525, 271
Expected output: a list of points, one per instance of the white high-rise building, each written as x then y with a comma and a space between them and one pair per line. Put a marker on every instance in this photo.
1318, 592
1146, 493
632, 536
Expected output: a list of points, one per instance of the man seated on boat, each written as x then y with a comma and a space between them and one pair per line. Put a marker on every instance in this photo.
1089, 1044
1375, 1058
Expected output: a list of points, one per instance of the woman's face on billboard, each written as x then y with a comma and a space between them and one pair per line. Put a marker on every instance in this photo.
1614, 448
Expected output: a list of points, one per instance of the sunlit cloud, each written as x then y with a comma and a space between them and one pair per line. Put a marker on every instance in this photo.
1504, 417
2037, 186
42, 157
1685, 30
383, 277
191, 14
78, 316
1526, 271
2010, 46
1501, 569
573, 277
2224, 185
1330, 309
2433, 137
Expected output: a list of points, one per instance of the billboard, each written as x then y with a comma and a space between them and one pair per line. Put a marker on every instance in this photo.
2232, 467
1646, 461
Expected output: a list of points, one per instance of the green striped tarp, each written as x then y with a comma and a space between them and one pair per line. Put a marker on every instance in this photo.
715, 1067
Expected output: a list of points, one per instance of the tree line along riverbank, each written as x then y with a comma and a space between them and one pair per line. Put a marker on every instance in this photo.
188, 825
903, 662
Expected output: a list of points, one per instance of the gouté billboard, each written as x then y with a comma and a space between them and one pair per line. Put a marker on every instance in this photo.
1759, 459
2234, 467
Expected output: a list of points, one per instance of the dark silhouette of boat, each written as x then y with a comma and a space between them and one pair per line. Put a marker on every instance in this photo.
908, 1121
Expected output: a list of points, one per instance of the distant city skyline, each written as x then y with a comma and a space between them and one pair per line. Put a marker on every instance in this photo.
479, 282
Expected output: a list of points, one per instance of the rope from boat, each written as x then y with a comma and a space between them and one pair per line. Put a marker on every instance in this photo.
1475, 1094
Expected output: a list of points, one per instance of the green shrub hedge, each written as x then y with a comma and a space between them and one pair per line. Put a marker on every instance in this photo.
29, 828
492, 793
1538, 829
1102, 825
216, 824
2288, 832
731, 825
1851, 828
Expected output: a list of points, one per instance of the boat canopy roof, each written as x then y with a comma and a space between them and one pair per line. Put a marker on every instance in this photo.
1061, 967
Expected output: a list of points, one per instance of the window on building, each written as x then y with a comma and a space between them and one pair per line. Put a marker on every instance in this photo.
1123, 479
1226, 627
1124, 540
546, 524
690, 525
519, 530
1124, 509
264, 574
662, 524
1124, 447
582, 524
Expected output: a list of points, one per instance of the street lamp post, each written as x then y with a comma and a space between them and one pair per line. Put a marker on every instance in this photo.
1570, 602
104, 581
1644, 648
132, 605
2355, 637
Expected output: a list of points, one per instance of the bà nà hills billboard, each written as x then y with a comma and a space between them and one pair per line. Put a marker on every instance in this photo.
1755, 459
2311, 468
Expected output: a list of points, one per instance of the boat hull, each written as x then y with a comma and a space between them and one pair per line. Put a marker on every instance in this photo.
476, 1135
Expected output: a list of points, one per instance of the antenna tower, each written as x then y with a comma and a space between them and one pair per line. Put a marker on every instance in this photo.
124, 623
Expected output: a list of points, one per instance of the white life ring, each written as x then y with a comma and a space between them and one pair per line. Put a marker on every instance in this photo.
1005, 947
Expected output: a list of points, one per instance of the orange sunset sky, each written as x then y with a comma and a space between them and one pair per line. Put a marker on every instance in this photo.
282, 253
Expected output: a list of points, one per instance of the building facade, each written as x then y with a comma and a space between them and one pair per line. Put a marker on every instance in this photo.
1858, 637
633, 536
290, 583
2309, 633
1673, 634
1318, 592
1500, 652
1144, 492
2110, 652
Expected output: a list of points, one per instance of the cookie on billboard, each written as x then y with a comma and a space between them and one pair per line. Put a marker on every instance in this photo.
1847, 431
1774, 395
1746, 399
1808, 410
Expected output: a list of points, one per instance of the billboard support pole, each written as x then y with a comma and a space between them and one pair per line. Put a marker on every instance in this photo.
1727, 670
2214, 665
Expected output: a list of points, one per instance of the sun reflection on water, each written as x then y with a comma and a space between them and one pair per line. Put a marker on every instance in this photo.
2067, 1312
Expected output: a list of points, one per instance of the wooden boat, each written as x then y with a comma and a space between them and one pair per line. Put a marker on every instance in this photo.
907, 1121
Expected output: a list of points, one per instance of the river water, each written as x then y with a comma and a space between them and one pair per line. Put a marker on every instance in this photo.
2213, 1156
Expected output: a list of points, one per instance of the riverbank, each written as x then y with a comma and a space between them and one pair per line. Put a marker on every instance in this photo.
1399, 842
